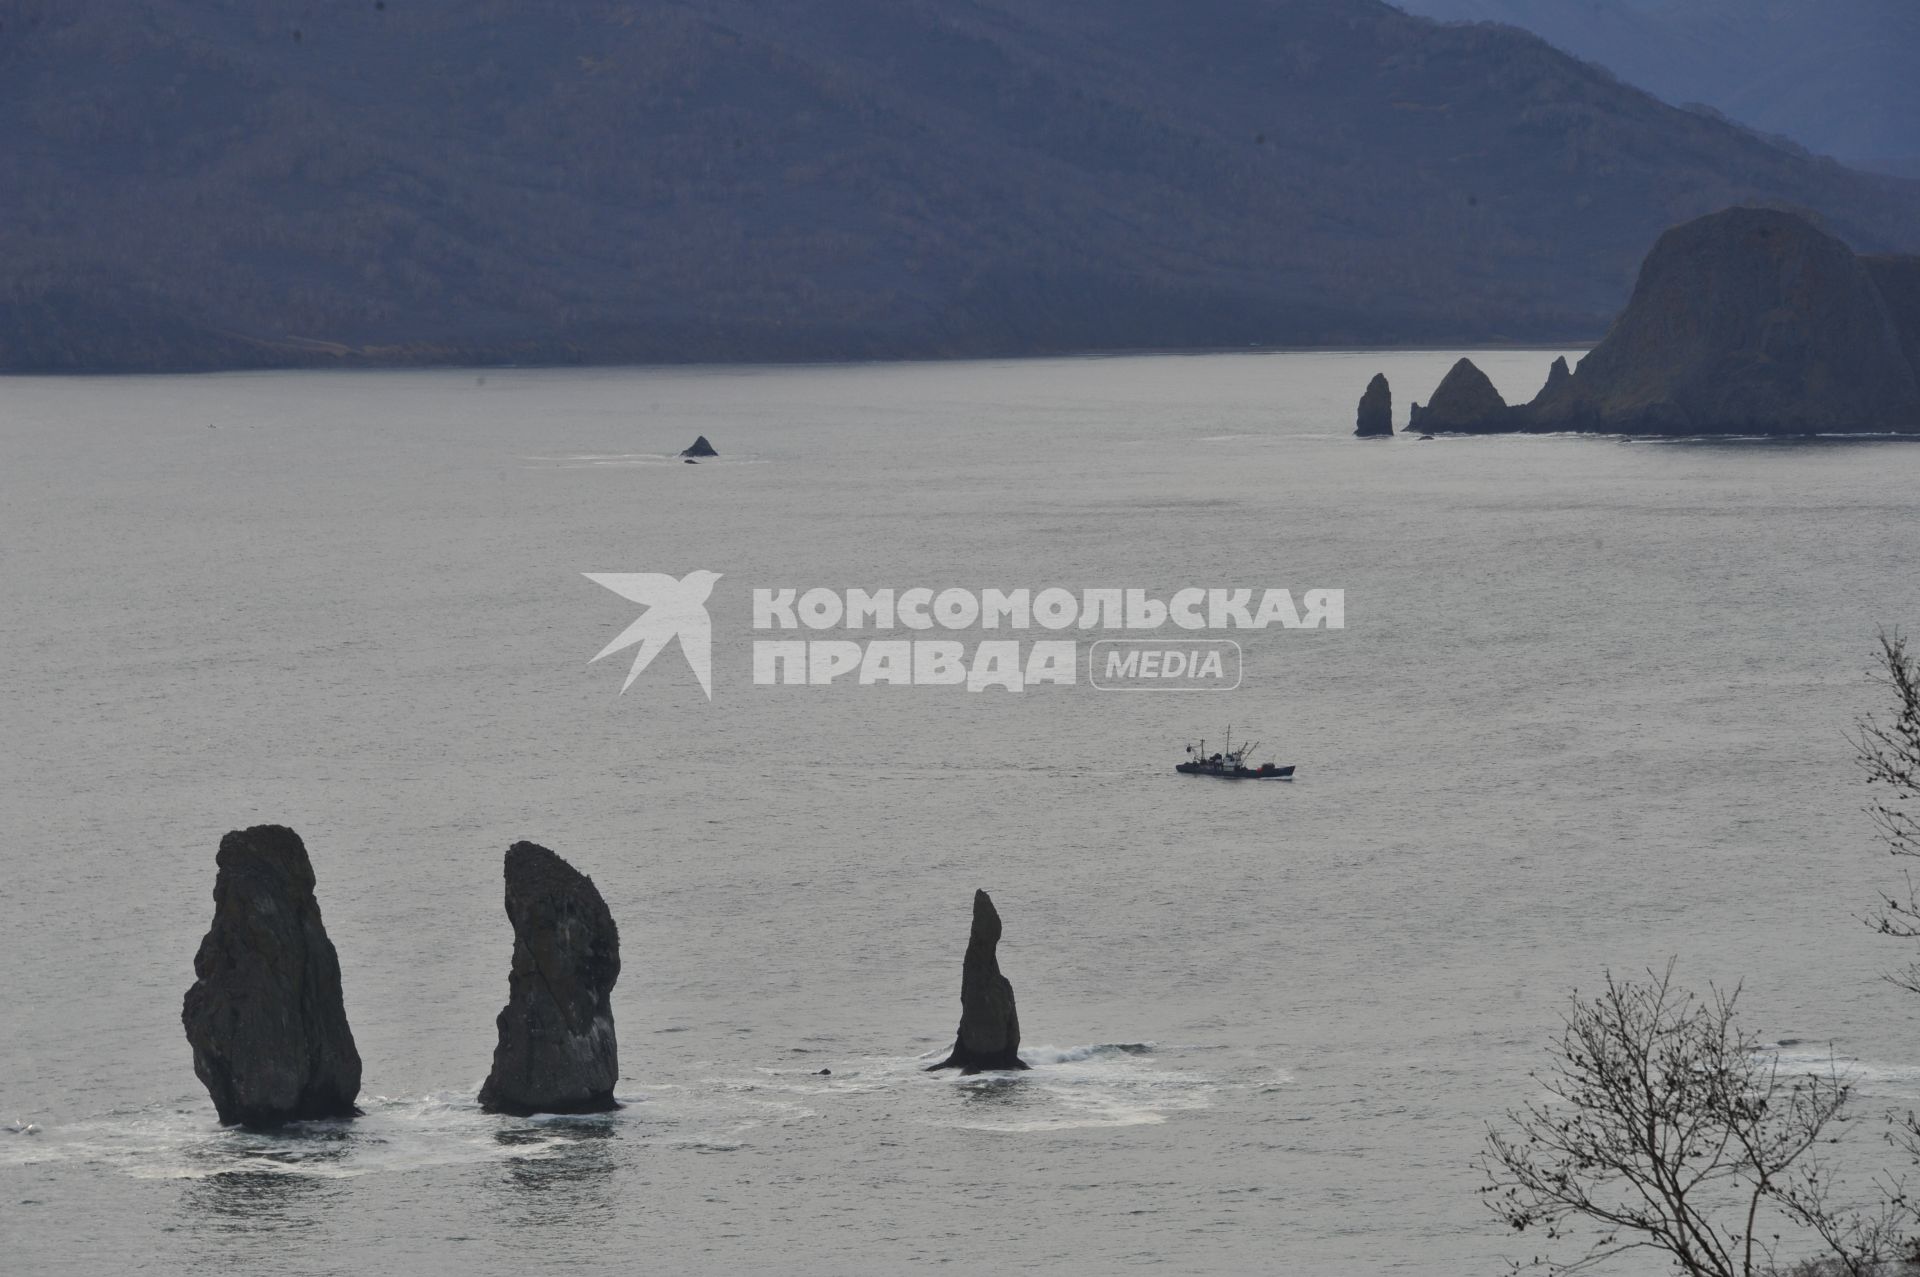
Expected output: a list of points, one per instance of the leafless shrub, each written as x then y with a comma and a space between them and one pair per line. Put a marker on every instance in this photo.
1667, 1128
1889, 752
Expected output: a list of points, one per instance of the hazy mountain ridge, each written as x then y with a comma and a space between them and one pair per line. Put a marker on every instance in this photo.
536, 180
1837, 76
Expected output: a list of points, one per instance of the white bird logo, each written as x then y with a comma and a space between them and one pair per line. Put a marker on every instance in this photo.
675, 608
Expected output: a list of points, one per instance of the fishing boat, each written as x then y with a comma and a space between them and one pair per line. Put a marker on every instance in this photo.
1230, 763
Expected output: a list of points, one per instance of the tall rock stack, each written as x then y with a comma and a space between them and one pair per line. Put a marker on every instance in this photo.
989, 1035
1375, 419
265, 1015
556, 1052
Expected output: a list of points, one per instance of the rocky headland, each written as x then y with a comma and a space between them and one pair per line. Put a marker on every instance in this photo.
1748, 321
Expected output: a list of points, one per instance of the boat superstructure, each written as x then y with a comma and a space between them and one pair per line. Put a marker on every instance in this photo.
1230, 763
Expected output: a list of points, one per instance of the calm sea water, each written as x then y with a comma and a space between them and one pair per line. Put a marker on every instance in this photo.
1588, 711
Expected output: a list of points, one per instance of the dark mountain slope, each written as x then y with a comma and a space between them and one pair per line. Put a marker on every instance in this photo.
196, 183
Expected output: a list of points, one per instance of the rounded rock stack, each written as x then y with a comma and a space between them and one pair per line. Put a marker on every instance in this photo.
265, 1016
1375, 419
556, 1050
1464, 400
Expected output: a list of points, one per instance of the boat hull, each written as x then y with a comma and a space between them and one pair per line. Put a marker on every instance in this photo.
1235, 773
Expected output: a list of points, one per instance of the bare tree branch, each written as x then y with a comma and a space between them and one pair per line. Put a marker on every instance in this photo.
1888, 750
1664, 1126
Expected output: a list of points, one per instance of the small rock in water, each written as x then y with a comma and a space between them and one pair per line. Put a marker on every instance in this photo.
700, 448
556, 1052
826, 1073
